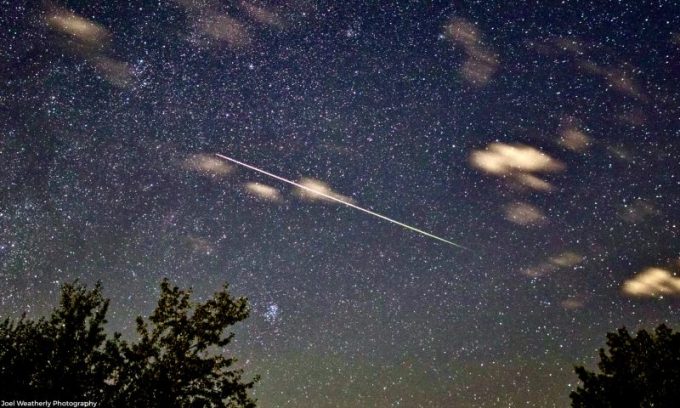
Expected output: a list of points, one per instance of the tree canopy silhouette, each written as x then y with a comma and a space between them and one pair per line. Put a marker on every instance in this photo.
179, 359
640, 371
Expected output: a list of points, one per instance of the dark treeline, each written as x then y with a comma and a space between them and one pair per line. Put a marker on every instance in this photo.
178, 359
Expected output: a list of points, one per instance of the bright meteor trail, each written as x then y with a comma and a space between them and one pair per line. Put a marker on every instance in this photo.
330, 197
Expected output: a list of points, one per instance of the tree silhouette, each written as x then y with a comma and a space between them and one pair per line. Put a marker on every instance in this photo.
57, 357
177, 361
641, 371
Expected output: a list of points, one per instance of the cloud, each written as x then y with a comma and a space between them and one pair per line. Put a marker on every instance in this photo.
501, 158
638, 211
89, 40
262, 15
211, 26
200, 245
621, 79
463, 32
652, 282
517, 162
572, 137
572, 303
566, 259
118, 73
263, 191
481, 63
320, 187
524, 214
621, 152
224, 29
207, 164
85, 31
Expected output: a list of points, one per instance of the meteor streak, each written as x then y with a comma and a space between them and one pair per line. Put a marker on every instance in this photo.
330, 197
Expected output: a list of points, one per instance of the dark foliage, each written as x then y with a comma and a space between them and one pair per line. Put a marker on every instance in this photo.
640, 371
60, 356
178, 361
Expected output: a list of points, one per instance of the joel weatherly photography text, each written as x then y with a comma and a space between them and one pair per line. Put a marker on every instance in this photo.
48, 404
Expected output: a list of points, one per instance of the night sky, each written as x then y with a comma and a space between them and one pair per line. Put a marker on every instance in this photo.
541, 136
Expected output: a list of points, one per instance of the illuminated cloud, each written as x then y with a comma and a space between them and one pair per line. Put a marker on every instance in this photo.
480, 61
321, 187
524, 214
619, 79
638, 211
90, 41
621, 152
567, 259
623, 81
79, 28
207, 164
263, 191
572, 303
262, 15
211, 26
516, 162
652, 282
572, 137
500, 158
542, 269
573, 47
479, 67
200, 245
463, 32
532, 182
574, 140
116, 72
224, 29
